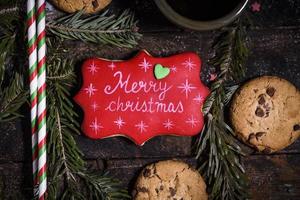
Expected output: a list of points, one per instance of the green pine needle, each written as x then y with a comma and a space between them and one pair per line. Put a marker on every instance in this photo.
13, 97
12, 91
217, 151
68, 176
120, 31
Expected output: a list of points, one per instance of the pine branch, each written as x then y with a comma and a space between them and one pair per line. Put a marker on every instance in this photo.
68, 175
119, 31
9, 10
103, 187
12, 91
217, 151
12, 98
6, 44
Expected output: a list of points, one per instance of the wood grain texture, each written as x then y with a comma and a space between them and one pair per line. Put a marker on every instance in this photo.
274, 41
271, 177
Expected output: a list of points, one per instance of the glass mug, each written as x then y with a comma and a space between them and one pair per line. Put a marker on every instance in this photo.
201, 14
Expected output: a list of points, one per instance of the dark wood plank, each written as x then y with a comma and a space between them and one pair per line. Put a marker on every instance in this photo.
274, 177
275, 52
275, 14
151, 18
270, 177
272, 14
14, 138
274, 43
15, 181
119, 147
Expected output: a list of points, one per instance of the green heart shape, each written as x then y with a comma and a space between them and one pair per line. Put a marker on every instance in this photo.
160, 71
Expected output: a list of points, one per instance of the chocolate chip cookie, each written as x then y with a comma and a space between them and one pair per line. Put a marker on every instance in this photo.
265, 113
89, 6
170, 180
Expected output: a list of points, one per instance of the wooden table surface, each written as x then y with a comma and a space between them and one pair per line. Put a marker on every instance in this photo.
274, 41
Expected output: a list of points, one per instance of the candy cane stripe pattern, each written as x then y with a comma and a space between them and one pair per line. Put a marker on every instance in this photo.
42, 158
32, 52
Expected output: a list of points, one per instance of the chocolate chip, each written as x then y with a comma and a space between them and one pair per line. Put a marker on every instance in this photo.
95, 3
255, 90
161, 187
142, 189
259, 134
261, 99
172, 191
296, 127
270, 91
146, 172
259, 112
156, 190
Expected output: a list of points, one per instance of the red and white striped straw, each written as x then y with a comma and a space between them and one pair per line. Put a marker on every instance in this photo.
41, 40
32, 53
37, 74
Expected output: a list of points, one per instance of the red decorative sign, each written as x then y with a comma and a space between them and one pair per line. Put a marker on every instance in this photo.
142, 97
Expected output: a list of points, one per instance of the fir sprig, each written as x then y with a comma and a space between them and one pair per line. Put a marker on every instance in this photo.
119, 30
12, 91
68, 175
217, 151
12, 98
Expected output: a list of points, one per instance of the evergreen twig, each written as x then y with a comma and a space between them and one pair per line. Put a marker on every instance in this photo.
68, 175
12, 92
9, 10
217, 151
12, 98
120, 31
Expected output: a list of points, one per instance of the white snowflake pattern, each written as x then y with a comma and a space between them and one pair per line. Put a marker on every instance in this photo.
198, 98
112, 66
168, 124
119, 122
141, 126
96, 126
145, 65
93, 68
189, 64
95, 106
173, 69
186, 87
90, 90
192, 121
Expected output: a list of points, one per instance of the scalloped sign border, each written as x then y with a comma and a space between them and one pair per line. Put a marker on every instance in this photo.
124, 98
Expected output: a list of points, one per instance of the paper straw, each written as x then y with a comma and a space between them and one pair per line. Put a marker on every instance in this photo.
42, 164
32, 53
